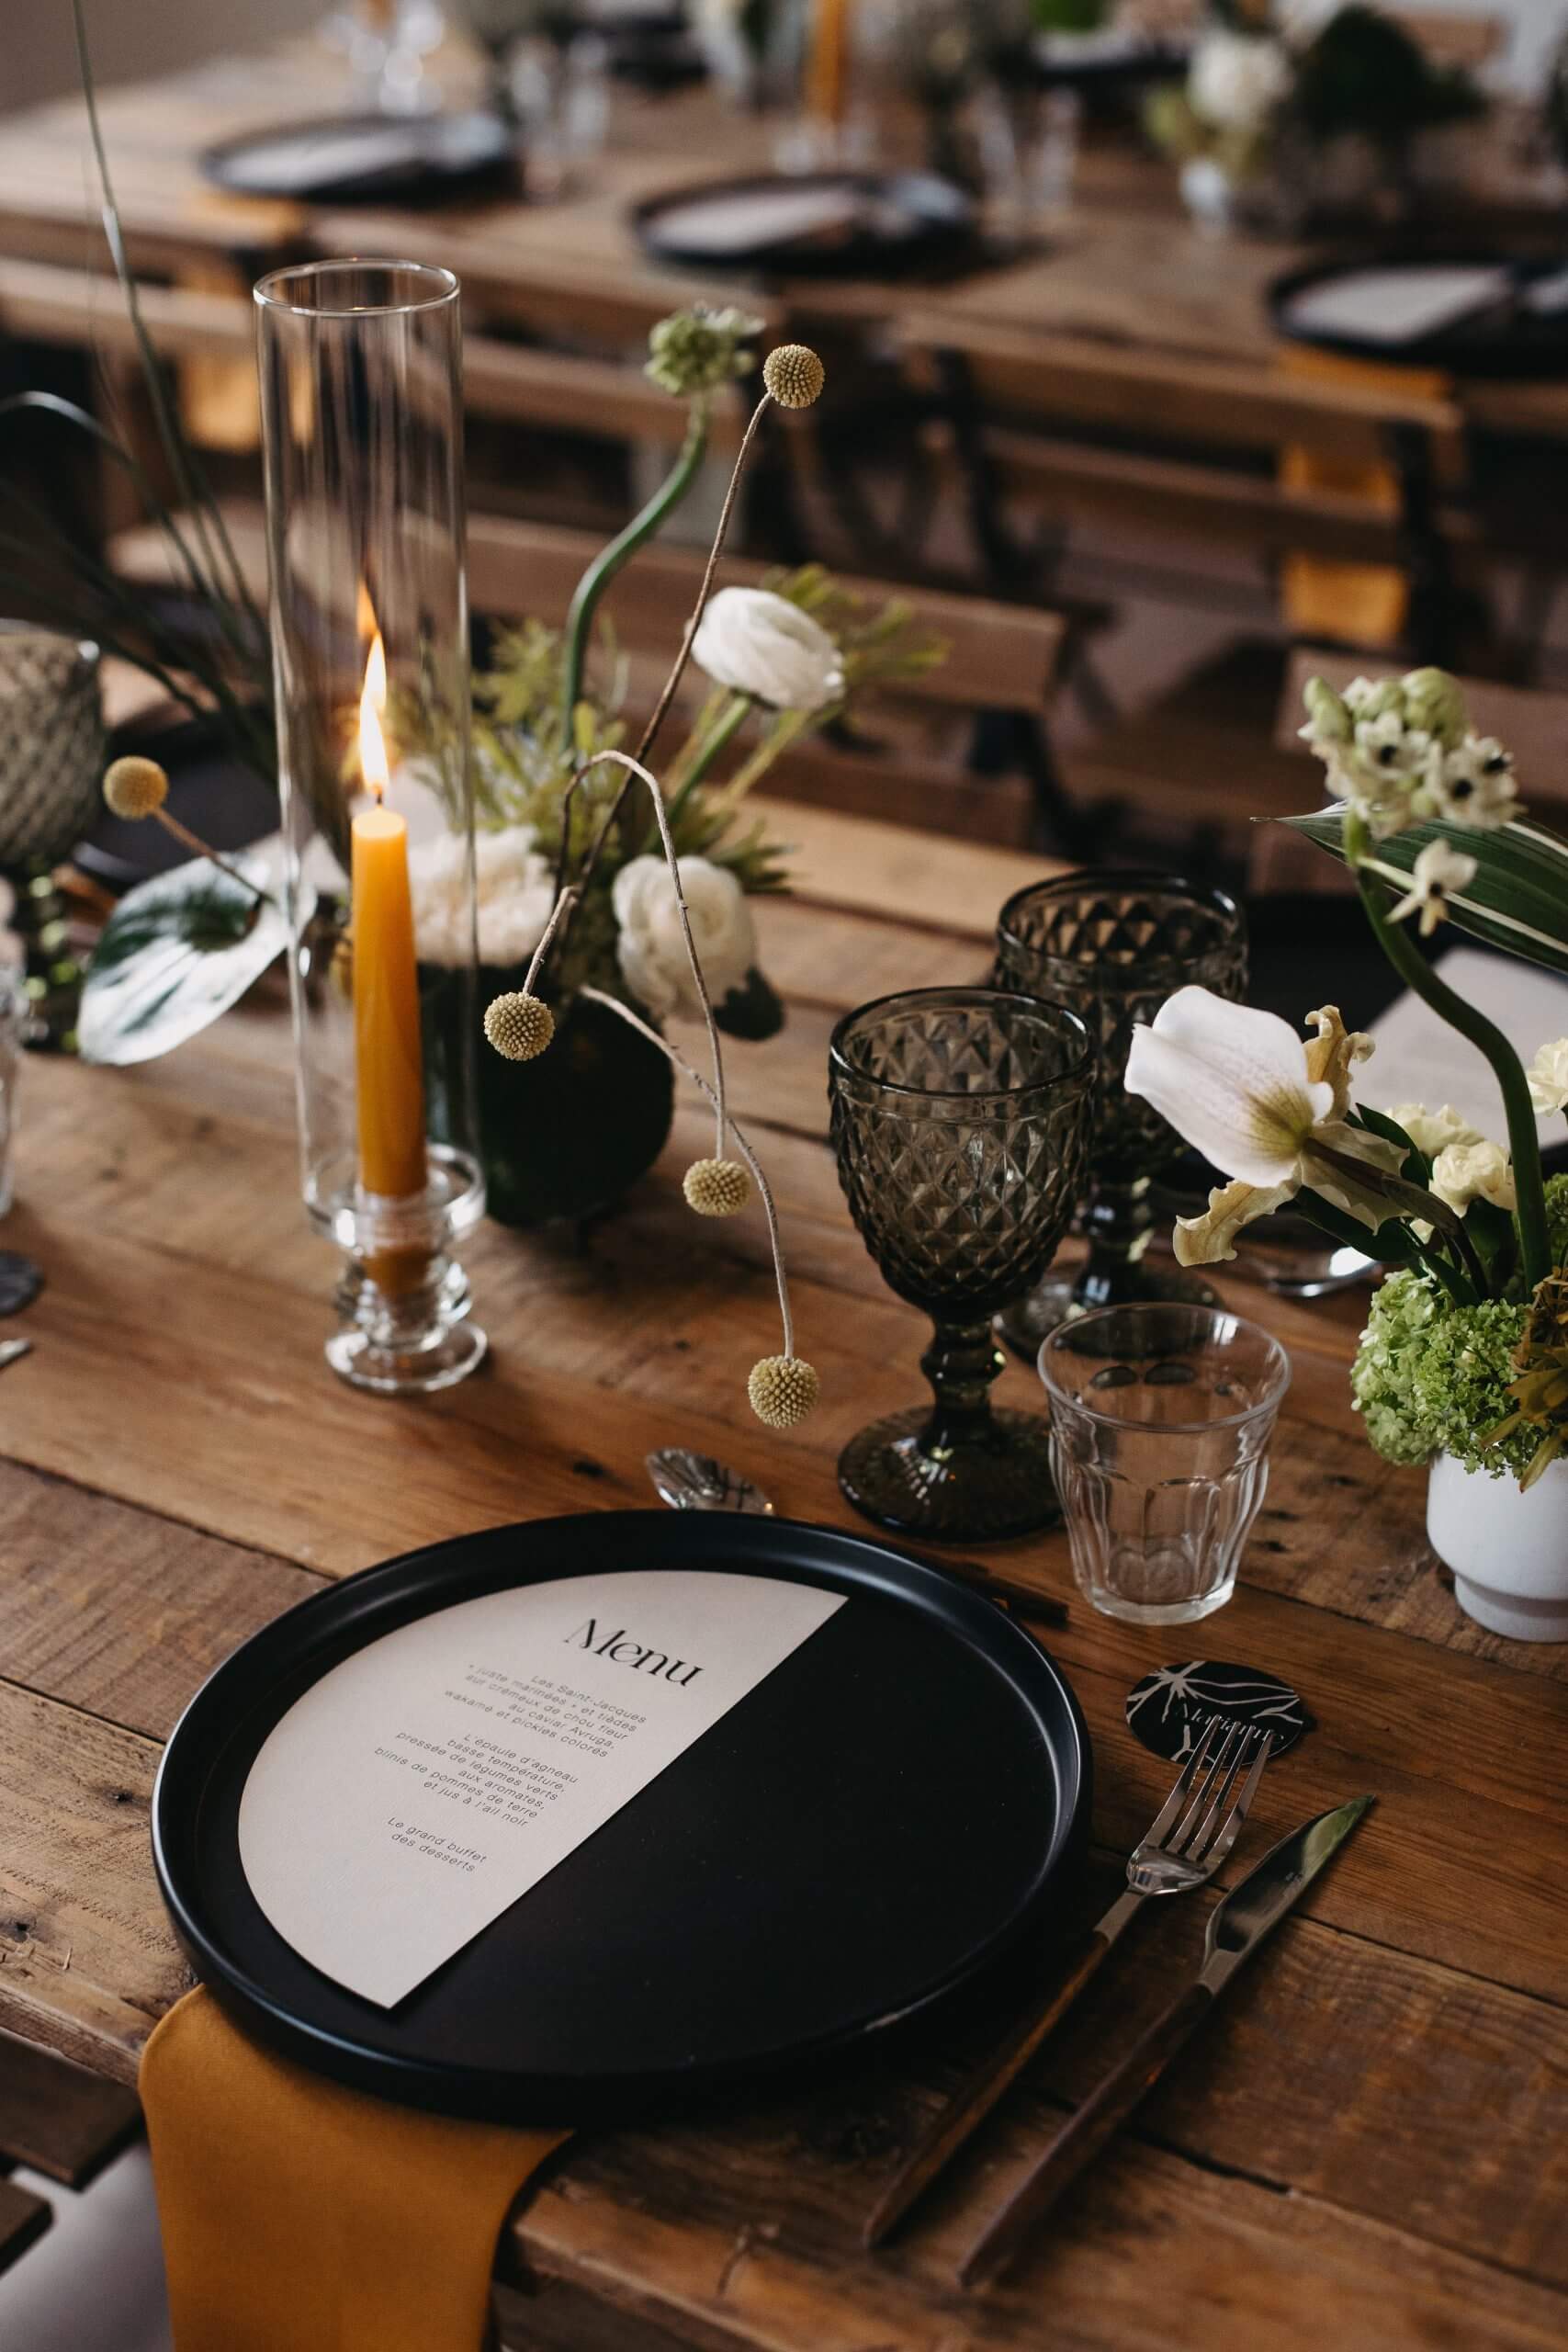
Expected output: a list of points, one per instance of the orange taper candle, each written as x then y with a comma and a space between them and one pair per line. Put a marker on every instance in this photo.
826, 68
389, 1069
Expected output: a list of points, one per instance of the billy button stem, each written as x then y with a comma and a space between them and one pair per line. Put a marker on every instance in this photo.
135, 787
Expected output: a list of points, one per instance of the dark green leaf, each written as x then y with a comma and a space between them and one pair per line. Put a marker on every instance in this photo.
177, 951
1390, 1244
1518, 900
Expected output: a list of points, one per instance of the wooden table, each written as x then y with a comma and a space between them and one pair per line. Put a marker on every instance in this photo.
1367, 2149
1125, 266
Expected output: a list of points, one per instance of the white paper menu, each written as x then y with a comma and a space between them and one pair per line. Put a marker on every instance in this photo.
426, 1783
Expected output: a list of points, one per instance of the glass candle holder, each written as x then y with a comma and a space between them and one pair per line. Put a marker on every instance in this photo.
959, 1117
1114, 945
1160, 1423
362, 425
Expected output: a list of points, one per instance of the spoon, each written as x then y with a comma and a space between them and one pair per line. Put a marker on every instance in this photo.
688, 1481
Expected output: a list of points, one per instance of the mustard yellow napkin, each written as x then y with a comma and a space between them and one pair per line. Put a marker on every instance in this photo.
301, 2217
1361, 604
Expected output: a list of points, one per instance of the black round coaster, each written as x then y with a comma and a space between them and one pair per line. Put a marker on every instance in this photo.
20, 1282
1170, 1707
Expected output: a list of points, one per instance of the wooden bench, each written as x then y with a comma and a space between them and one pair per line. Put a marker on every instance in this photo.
1162, 444
1002, 663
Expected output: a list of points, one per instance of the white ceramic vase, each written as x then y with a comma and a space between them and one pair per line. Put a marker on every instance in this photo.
1508, 1551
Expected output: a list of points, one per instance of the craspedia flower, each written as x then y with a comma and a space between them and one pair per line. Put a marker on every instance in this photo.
135, 787
717, 1187
794, 375
518, 1025
783, 1390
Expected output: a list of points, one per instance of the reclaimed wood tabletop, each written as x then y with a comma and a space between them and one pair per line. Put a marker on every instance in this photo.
1366, 2149
1123, 264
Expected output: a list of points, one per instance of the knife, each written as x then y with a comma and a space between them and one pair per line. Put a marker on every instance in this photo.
1236, 1927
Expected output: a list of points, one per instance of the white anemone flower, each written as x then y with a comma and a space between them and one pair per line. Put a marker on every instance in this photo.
1474, 1171
651, 944
1548, 1076
1265, 1105
1437, 873
757, 643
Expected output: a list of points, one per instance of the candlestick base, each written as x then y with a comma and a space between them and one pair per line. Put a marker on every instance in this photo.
402, 1299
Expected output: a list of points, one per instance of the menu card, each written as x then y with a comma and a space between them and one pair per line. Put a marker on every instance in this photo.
426, 1783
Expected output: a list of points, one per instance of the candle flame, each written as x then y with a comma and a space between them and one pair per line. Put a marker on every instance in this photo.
372, 705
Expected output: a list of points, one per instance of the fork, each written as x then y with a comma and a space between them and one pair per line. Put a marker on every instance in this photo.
1185, 1844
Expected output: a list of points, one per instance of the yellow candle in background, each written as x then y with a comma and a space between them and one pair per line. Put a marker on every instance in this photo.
827, 70
389, 1067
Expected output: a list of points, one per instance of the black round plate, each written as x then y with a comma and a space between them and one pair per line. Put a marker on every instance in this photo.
351, 159
887, 1812
870, 224
1510, 341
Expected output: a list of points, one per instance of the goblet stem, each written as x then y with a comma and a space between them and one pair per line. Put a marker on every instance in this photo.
1120, 1226
961, 1364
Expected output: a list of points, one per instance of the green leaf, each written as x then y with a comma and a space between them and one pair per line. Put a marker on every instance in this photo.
1518, 900
1392, 1243
753, 1011
177, 951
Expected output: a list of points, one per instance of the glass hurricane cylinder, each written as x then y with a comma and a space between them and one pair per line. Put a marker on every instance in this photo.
361, 437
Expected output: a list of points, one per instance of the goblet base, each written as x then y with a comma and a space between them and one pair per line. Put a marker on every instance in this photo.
981, 1490
1059, 1299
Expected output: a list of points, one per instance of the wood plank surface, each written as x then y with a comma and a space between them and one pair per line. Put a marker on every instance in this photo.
60, 2119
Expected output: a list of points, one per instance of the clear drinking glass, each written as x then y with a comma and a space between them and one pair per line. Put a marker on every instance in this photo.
1160, 1422
959, 1117
362, 426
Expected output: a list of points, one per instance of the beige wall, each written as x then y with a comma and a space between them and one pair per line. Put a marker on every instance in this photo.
131, 38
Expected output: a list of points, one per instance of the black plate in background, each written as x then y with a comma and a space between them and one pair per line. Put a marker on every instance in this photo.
1512, 344
889, 1809
364, 159
900, 220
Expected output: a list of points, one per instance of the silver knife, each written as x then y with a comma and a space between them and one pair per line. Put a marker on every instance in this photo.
1236, 1927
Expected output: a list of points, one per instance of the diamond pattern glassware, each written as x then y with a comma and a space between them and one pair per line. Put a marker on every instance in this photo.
1160, 1422
960, 1120
1114, 945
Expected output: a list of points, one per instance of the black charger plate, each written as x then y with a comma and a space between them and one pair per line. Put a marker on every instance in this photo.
870, 224
366, 159
1507, 342
893, 1806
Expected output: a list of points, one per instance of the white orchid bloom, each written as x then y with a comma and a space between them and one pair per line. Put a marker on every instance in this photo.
1437, 873
651, 946
757, 643
1265, 1105
1237, 80
1548, 1076
1474, 1171
1433, 1131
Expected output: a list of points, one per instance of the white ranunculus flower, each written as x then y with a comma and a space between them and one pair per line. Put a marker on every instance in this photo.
1474, 1171
1433, 1131
1237, 80
651, 948
1548, 1076
757, 643
1263, 1104
516, 887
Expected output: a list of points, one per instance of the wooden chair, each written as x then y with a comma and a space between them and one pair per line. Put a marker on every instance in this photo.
58, 2120
1533, 722
1001, 668
1062, 427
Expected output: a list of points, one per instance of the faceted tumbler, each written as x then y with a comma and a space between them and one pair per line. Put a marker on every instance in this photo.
1160, 1422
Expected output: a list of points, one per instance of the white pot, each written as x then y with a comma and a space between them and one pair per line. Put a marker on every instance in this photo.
1508, 1551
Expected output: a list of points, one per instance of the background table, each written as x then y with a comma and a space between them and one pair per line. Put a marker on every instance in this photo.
1367, 2147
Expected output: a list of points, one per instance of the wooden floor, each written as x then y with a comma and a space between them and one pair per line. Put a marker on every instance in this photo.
1368, 2148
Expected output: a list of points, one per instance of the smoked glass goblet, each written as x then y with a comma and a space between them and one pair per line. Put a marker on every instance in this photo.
1113, 944
960, 1119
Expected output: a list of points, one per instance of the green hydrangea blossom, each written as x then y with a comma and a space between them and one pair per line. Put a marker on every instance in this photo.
695, 351
1432, 1378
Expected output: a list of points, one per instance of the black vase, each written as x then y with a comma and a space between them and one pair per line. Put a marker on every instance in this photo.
567, 1136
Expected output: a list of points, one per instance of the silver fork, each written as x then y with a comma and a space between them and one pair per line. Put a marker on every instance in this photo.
1185, 1844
